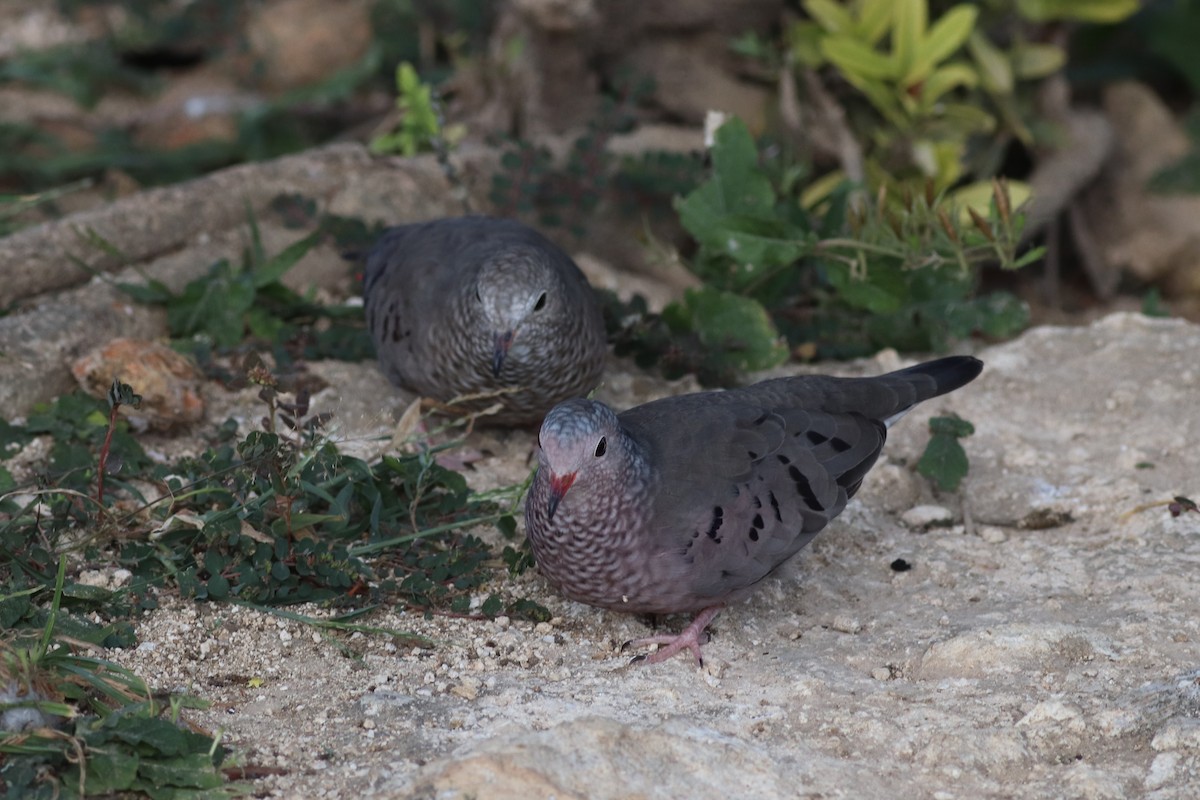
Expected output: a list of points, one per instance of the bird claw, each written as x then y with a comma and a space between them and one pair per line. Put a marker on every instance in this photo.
690, 638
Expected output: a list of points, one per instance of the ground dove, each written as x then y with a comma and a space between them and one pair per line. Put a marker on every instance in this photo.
685, 504
480, 305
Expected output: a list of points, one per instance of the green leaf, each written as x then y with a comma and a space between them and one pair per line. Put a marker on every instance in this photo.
492, 606
879, 289
1034, 60
1001, 314
995, 71
732, 216
830, 15
1102, 11
737, 329
857, 60
152, 292
945, 38
874, 19
218, 587
908, 35
111, 770
944, 462
278, 265
739, 185
156, 734
945, 79
194, 771
952, 425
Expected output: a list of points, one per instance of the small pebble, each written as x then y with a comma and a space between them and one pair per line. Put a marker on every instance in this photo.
923, 517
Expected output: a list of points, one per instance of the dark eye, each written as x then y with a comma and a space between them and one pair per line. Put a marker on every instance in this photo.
541, 302
600, 448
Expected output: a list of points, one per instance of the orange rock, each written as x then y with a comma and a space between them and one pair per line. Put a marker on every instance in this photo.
168, 382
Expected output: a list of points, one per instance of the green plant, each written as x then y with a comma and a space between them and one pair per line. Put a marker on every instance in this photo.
92, 728
420, 126
944, 461
529, 183
219, 309
942, 94
859, 277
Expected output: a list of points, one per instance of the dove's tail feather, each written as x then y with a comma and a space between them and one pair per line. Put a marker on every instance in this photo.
948, 373
934, 378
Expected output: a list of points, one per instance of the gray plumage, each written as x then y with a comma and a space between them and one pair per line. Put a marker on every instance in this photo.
687, 503
471, 305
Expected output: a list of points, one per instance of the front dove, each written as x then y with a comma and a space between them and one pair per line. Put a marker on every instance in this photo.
685, 504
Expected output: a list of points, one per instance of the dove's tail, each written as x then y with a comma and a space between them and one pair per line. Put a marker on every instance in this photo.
933, 378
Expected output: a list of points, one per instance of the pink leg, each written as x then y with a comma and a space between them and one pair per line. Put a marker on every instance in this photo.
688, 638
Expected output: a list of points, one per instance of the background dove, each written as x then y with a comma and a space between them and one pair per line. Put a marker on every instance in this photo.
471, 305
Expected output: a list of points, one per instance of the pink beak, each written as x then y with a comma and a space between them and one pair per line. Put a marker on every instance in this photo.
559, 484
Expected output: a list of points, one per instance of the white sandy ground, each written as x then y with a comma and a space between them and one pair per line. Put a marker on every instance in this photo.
1045, 645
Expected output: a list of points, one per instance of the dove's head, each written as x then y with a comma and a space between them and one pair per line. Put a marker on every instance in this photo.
580, 442
520, 298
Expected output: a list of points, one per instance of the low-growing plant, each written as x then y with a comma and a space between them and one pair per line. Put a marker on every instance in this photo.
234, 301
529, 184
847, 280
76, 726
944, 461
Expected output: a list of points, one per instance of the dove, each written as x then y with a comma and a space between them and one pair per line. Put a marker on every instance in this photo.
685, 504
483, 306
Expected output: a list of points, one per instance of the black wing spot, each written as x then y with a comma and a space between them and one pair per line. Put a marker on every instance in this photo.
775, 506
753, 455
815, 437
839, 444
783, 459
726, 573
762, 418
718, 518
805, 490
757, 502
757, 522
753, 535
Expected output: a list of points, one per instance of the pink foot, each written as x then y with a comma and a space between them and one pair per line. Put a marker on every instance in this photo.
688, 638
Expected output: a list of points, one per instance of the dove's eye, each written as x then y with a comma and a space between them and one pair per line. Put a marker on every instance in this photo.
541, 302
602, 446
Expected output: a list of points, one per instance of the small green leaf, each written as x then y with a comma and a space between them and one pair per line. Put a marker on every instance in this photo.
736, 329
1102, 11
830, 15
952, 425
875, 19
507, 525
191, 771
908, 36
278, 265
944, 39
218, 587
944, 462
858, 60
492, 606
995, 71
1035, 60
111, 770
945, 79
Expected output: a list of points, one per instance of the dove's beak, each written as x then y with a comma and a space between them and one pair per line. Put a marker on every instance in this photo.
503, 341
558, 488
